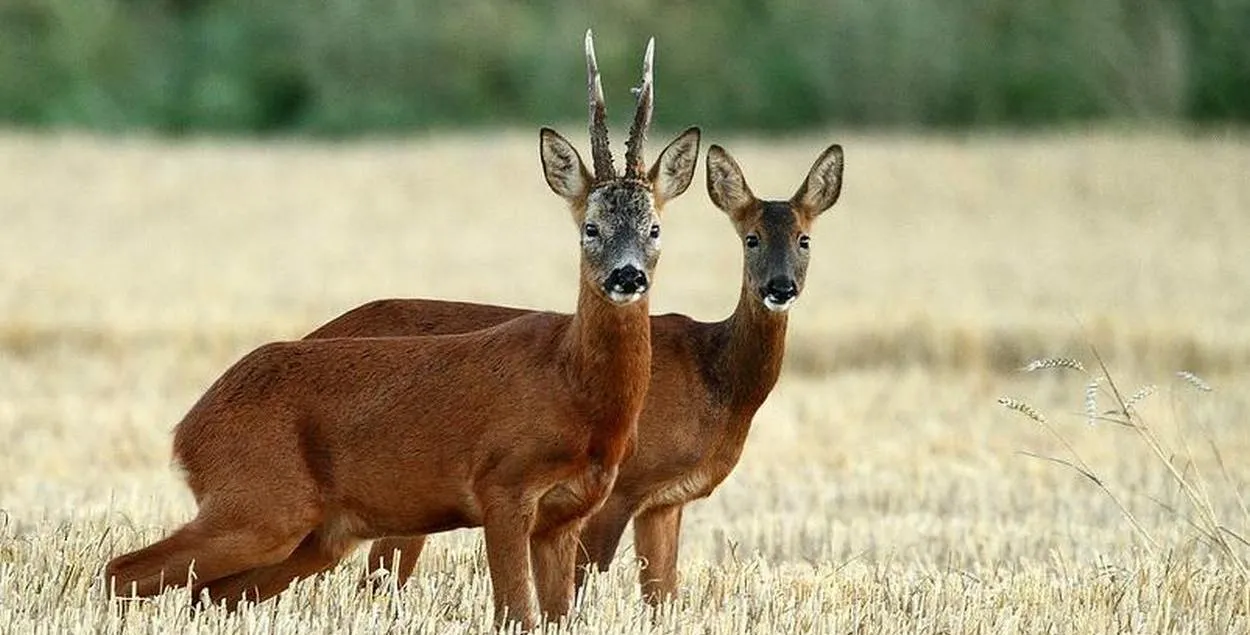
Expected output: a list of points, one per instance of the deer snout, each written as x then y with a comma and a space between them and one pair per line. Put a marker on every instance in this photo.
780, 293
625, 284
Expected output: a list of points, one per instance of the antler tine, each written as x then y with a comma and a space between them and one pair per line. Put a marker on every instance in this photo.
634, 165
600, 150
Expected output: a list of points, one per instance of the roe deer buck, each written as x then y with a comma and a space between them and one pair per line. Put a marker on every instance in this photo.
707, 380
303, 449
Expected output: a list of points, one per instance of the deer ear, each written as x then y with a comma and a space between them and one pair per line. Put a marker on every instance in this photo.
562, 166
725, 184
823, 185
674, 169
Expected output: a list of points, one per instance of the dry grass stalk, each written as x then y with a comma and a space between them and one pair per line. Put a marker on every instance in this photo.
1192, 484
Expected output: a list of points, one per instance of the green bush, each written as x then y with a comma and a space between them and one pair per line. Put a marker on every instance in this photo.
348, 66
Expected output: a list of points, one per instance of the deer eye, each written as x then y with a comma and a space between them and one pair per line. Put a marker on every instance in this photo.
753, 241
655, 231
591, 230
805, 241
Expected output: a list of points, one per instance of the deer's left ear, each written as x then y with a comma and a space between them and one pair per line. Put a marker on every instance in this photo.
674, 169
823, 184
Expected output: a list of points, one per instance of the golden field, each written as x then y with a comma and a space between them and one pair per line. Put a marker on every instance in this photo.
883, 489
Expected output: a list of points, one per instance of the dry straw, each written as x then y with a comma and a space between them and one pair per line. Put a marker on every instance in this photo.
1191, 484
1023, 408
1053, 362
1194, 380
1091, 400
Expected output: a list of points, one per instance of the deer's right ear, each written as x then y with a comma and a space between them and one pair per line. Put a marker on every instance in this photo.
725, 183
562, 166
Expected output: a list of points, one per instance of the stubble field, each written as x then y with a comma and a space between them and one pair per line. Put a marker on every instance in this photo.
883, 489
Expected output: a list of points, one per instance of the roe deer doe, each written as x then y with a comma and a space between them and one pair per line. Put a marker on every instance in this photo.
303, 449
707, 380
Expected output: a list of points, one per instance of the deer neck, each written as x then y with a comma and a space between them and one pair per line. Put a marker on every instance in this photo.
608, 349
753, 343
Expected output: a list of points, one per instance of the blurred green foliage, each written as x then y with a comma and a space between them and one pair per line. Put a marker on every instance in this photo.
349, 66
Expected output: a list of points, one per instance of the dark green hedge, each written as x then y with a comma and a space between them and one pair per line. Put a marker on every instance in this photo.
347, 66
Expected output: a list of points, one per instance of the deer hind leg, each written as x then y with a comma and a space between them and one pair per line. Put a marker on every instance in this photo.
149, 571
656, 532
228, 535
210, 550
600, 537
318, 552
401, 553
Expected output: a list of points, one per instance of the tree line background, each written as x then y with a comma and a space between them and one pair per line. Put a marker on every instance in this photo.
338, 67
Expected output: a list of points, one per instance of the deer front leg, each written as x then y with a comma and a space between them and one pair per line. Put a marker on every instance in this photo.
401, 553
656, 532
507, 525
555, 561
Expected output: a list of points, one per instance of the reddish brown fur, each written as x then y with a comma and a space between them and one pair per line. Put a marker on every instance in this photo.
707, 381
303, 449
352, 439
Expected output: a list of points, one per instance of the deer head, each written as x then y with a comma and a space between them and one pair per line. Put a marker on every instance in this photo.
618, 216
774, 233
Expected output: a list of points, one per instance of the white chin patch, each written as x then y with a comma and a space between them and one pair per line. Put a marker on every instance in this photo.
624, 298
778, 307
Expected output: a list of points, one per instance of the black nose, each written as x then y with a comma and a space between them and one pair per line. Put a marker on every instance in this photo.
628, 279
781, 289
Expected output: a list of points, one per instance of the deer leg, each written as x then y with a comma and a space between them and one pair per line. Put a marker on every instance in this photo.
656, 532
209, 549
400, 552
315, 554
600, 537
143, 573
554, 555
507, 524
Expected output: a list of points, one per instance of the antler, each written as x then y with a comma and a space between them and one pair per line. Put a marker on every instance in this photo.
634, 166
599, 148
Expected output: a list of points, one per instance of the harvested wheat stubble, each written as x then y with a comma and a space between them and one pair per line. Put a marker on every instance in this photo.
882, 489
